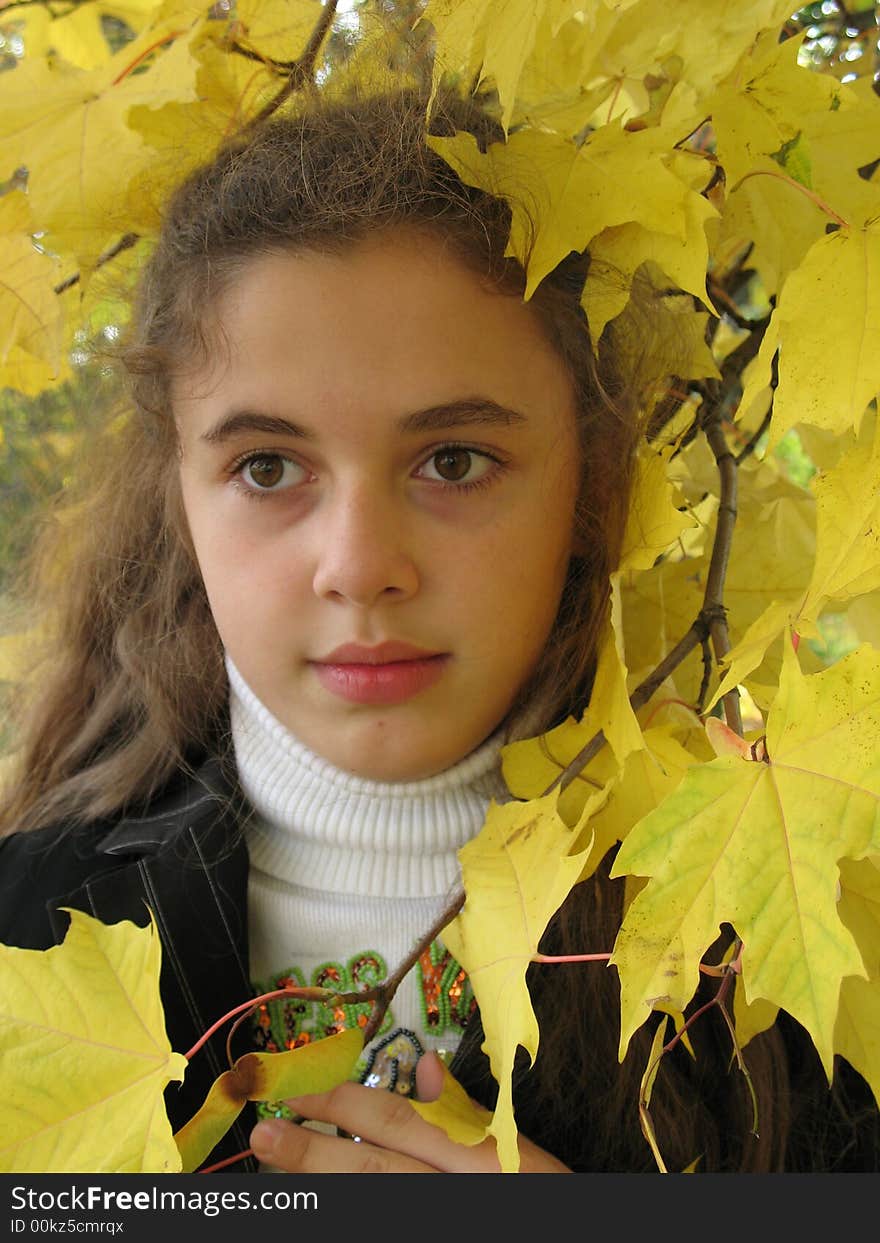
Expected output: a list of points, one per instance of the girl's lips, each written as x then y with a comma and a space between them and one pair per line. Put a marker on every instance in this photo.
390, 682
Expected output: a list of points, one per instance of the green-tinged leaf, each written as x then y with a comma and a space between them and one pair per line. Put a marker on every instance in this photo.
757, 845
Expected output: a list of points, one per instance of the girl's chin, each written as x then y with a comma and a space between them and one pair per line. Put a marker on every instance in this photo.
388, 752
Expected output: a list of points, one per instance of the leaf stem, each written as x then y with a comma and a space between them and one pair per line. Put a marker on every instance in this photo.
169, 37
570, 958
220, 1165
311, 994
811, 194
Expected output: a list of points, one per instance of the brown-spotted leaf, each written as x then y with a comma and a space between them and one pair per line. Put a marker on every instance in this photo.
316, 1067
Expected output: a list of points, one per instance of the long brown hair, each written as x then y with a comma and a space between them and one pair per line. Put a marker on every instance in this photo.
133, 683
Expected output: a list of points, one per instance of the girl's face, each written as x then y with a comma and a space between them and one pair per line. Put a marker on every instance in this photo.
379, 471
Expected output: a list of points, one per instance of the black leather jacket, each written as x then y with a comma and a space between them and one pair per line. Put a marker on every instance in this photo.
185, 860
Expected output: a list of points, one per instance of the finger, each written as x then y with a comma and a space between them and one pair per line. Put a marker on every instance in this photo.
429, 1077
387, 1120
296, 1149
431, 1074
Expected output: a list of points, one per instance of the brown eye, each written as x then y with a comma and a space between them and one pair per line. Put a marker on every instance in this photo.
265, 472
456, 464
268, 472
459, 465
452, 464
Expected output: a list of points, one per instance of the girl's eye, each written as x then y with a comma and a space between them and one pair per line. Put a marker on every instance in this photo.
455, 464
269, 472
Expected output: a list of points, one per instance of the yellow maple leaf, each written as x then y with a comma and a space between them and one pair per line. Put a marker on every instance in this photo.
30, 312
751, 1018
280, 29
863, 615
551, 93
645, 779
85, 1055
29, 374
848, 529
655, 522
494, 38
575, 192
659, 607
843, 140
516, 873
531, 765
315, 1067
760, 108
757, 845
649, 775
846, 563
454, 1112
624, 248
60, 122
826, 388
32, 26
78, 36
653, 30
857, 1031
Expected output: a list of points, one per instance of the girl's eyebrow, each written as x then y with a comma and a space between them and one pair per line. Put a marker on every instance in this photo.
457, 413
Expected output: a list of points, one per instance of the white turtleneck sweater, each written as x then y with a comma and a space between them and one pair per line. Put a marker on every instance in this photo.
346, 875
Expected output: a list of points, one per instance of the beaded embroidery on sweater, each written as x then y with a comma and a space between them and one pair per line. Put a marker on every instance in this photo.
345, 876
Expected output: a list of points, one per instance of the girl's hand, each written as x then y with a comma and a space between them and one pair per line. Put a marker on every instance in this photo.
394, 1138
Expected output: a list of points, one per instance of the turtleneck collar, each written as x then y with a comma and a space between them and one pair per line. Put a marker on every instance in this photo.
322, 828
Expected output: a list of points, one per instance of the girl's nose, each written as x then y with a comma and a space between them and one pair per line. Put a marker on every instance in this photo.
364, 551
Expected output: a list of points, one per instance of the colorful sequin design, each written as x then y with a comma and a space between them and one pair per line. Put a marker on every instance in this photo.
288, 1022
446, 1000
446, 994
392, 1062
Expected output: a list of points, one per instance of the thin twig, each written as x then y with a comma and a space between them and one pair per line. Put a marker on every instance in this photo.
713, 598
277, 66
303, 68
125, 243
637, 699
707, 675
389, 987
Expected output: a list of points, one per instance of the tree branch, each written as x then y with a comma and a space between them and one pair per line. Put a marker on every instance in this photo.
303, 68
385, 991
713, 599
125, 243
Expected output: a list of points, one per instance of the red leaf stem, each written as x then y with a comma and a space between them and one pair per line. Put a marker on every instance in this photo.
245, 1005
219, 1165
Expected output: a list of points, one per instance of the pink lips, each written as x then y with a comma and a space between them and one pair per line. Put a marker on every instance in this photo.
389, 673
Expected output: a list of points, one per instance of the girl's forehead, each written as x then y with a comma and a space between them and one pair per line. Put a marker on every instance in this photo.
395, 320
383, 269
392, 296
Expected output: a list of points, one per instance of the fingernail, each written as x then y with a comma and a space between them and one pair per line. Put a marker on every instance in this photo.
265, 1136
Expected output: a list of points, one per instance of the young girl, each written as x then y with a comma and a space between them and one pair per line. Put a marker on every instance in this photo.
356, 536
